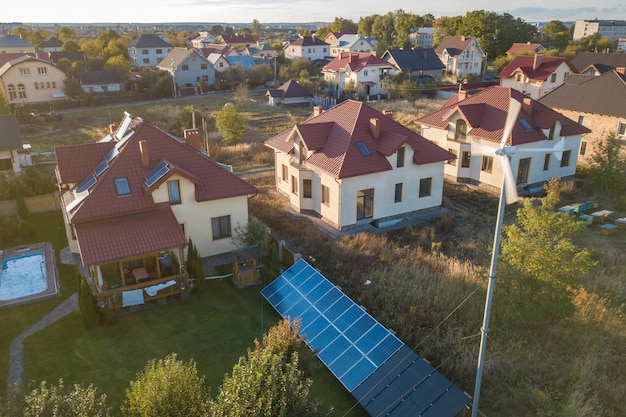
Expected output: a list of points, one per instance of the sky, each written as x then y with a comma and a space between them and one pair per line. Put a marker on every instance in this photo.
292, 11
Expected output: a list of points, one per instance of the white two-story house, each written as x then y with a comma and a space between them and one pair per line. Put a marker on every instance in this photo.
351, 42
353, 165
188, 67
363, 70
536, 75
461, 55
307, 47
147, 50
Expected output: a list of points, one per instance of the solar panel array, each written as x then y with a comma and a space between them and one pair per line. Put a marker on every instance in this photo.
157, 173
87, 183
383, 374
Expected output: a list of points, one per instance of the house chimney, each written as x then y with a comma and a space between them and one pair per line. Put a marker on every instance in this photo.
192, 138
375, 127
388, 113
462, 38
527, 105
537, 61
145, 155
462, 95
317, 110
620, 70
354, 56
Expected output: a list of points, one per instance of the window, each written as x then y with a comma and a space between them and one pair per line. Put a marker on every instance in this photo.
460, 130
25, 71
325, 195
185, 67
221, 227
36, 86
21, 91
301, 151
159, 51
173, 189
486, 163
146, 60
546, 161
400, 158
285, 172
307, 189
621, 129
122, 187
398, 193
365, 204
294, 185
204, 66
466, 157
553, 78
144, 52
565, 158
42, 70
54, 85
552, 130
565, 76
425, 187
523, 170
518, 77
12, 93
583, 147
452, 161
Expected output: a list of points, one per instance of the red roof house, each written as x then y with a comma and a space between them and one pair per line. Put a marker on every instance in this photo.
535, 75
363, 70
353, 165
133, 200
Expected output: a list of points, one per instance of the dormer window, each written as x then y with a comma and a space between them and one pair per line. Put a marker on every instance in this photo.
122, 187
173, 190
551, 133
460, 131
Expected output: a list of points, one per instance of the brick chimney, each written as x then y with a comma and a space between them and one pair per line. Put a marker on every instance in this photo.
317, 110
620, 70
192, 137
354, 56
388, 113
537, 61
462, 95
375, 127
462, 38
527, 105
145, 155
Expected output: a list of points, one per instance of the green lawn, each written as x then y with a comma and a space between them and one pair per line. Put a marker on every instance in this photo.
214, 329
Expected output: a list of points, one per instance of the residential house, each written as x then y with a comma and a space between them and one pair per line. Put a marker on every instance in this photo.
535, 75
246, 62
99, 82
424, 37
610, 29
13, 154
461, 55
219, 62
352, 165
202, 39
593, 63
351, 43
188, 67
237, 39
29, 80
72, 56
307, 47
420, 64
621, 45
14, 44
290, 92
363, 71
260, 51
133, 200
596, 102
471, 128
525, 48
218, 48
147, 50
53, 44
333, 37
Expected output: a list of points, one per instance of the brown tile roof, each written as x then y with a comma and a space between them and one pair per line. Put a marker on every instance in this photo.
76, 162
215, 182
524, 64
308, 41
150, 231
334, 134
517, 48
486, 112
453, 44
603, 95
238, 39
4, 58
355, 61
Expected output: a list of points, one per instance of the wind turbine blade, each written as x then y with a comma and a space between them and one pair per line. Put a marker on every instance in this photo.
511, 117
559, 148
509, 182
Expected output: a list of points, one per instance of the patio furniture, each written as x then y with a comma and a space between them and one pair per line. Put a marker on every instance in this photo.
140, 274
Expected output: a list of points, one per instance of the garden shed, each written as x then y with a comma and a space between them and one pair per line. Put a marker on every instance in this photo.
246, 266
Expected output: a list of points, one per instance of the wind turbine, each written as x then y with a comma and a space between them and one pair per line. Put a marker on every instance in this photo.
508, 195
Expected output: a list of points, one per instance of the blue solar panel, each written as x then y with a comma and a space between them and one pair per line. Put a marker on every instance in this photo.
363, 355
157, 173
101, 168
87, 183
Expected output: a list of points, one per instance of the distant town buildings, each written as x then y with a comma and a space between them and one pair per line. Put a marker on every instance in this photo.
610, 29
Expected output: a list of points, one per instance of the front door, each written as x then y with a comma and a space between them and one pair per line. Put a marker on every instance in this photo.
523, 170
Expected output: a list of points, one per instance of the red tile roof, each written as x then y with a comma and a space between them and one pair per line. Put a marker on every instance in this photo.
453, 44
334, 133
517, 48
238, 39
525, 65
308, 41
147, 232
76, 162
486, 112
356, 61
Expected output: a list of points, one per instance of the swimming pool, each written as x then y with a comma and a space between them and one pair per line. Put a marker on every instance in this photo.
27, 274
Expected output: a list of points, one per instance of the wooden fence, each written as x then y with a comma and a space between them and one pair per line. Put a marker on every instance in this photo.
35, 205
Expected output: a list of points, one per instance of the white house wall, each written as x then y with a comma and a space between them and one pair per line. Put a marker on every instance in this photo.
537, 89
196, 216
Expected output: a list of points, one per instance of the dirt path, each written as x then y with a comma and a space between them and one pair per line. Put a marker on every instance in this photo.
16, 357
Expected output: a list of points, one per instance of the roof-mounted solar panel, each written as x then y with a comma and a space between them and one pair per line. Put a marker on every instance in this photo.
111, 155
157, 173
87, 183
104, 165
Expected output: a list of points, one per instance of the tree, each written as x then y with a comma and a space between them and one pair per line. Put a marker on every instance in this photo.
231, 124
166, 388
216, 30
70, 46
72, 87
65, 33
49, 400
607, 166
257, 31
119, 64
542, 266
255, 232
187, 116
268, 381
4, 104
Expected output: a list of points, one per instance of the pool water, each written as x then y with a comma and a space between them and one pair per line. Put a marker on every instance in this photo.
22, 276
